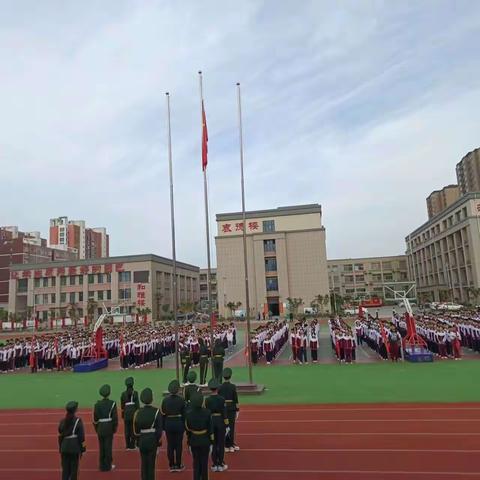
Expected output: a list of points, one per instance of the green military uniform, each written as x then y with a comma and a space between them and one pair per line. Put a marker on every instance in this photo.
130, 404
200, 436
229, 392
186, 361
218, 356
173, 411
105, 420
147, 426
216, 404
191, 387
71, 442
204, 354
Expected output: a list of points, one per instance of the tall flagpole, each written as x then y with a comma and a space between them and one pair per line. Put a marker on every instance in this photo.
244, 219
207, 229
174, 252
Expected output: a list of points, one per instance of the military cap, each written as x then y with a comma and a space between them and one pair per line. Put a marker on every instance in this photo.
197, 400
174, 387
192, 376
146, 396
129, 382
227, 373
71, 407
105, 390
213, 384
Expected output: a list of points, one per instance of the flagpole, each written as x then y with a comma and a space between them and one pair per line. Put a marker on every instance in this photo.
174, 252
244, 219
207, 228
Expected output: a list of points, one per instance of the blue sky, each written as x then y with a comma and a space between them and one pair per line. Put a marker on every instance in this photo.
362, 106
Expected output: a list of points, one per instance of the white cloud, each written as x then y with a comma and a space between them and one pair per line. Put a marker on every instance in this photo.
364, 107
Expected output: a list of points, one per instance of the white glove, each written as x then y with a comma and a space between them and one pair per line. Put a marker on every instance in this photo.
211, 449
236, 415
227, 430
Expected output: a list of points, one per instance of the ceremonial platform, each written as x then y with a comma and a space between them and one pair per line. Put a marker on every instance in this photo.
418, 355
91, 365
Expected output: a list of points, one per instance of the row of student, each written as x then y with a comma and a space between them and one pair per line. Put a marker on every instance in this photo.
209, 425
268, 341
343, 340
304, 338
381, 336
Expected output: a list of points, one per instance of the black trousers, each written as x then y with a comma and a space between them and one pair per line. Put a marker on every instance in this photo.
230, 438
129, 435
186, 368
218, 369
70, 466
105, 453
218, 452
200, 462
314, 354
203, 370
148, 459
174, 448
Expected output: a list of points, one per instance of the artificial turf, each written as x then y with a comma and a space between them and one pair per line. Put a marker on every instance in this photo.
442, 381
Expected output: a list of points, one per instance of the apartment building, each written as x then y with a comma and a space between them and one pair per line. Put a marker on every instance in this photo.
468, 172
439, 200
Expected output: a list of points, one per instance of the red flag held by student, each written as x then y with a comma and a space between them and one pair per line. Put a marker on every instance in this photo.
204, 139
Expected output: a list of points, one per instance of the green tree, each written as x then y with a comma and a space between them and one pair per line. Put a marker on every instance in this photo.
72, 311
473, 293
293, 304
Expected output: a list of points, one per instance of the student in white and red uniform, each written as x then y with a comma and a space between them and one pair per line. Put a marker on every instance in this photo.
293, 341
313, 345
268, 348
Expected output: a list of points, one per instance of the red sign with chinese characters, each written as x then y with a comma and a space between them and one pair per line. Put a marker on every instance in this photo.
14, 275
108, 268
119, 267
96, 268
27, 274
49, 272
140, 295
37, 274
84, 269
238, 227
61, 271
72, 270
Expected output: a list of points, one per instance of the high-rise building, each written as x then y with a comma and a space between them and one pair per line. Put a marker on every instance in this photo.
439, 200
73, 235
286, 258
444, 253
18, 247
468, 172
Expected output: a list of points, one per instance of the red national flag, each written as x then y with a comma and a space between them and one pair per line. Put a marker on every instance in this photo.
204, 140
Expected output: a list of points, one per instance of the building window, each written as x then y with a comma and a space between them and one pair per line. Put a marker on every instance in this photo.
72, 280
388, 277
63, 281
124, 277
108, 277
269, 246
63, 298
100, 278
348, 268
143, 276
100, 295
91, 278
268, 226
38, 300
36, 282
270, 264
45, 282
124, 293
80, 296
272, 284
109, 294
387, 265
54, 298
358, 267
72, 297
54, 281
360, 278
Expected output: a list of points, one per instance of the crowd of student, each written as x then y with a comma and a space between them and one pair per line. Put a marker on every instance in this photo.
343, 340
381, 336
304, 338
268, 341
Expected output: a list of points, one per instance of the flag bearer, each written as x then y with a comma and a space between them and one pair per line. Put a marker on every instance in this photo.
198, 423
216, 404
129, 404
147, 425
173, 411
229, 392
71, 442
105, 420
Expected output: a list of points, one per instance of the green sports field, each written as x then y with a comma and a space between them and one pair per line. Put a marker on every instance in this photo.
443, 381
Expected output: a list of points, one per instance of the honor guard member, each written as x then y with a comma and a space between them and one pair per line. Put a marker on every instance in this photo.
203, 361
147, 426
198, 423
217, 360
229, 393
71, 442
191, 387
185, 360
173, 411
216, 404
105, 420
130, 404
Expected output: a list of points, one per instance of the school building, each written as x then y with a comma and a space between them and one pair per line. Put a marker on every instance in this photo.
286, 255
128, 282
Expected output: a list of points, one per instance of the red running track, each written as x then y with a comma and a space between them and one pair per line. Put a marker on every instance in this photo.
328, 442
